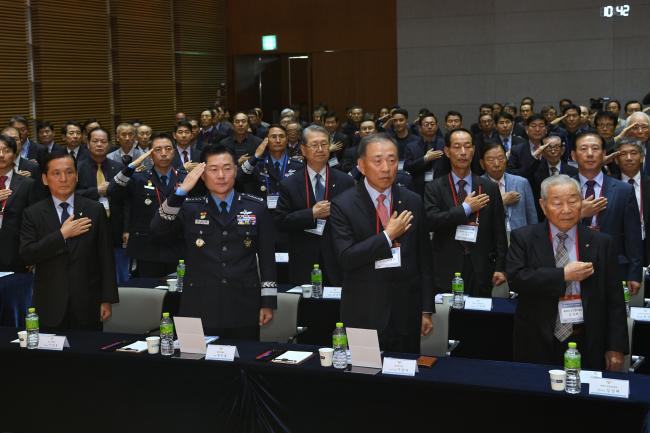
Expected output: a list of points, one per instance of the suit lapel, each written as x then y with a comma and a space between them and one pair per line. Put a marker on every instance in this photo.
17, 181
51, 216
365, 204
543, 246
610, 192
587, 254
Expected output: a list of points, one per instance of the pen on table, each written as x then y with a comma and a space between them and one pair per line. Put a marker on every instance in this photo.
263, 355
110, 346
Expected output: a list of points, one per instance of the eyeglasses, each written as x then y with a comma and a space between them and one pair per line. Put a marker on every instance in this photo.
314, 146
6, 151
641, 127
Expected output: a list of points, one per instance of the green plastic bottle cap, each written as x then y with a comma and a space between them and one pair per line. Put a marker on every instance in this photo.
572, 345
316, 266
181, 262
457, 274
31, 310
339, 324
165, 315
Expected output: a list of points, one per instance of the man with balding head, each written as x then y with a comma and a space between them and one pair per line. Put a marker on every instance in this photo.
560, 267
381, 238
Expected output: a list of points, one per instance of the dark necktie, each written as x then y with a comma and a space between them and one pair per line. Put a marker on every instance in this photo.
3, 185
163, 180
589, 192
64, 212
71, 153
186, 157
224, 208
320, 190
506, 143
553, 171
277, 168
462, 194
127, 159
630, 181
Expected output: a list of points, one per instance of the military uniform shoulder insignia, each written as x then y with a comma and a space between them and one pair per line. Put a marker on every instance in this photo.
253, 197
297, 158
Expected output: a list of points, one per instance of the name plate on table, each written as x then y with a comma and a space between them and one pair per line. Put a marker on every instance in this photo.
586, 376
281, 257
640, 314
52, 342
610, 388
480, 304
400, 367
332, 292
218, 352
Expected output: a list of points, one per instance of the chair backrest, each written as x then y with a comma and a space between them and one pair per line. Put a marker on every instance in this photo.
638, 299
282, 327
138, 311
436, 343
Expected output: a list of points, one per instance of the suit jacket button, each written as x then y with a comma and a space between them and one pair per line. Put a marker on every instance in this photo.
225, 233
224, 281
224, 248
223, 264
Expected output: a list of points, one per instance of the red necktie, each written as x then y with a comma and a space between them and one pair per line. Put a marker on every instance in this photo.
3, 181
381, 210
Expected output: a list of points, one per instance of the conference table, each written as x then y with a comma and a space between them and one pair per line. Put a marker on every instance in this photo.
84, 389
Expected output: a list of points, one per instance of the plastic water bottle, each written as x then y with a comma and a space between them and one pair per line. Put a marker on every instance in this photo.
180, 275
626, 295
31, 325
458, 289
572, 362
340, 346
166, 335
317, 282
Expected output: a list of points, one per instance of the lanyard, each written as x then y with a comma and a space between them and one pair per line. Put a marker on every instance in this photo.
308, 184
389, 214
453, 193
283, 170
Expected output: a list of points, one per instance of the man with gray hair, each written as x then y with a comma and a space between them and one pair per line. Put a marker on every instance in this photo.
304, 208
567, 278
630, 156
125, 137
638, 128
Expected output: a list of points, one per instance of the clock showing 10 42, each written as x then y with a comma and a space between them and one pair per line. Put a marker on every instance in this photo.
615, 11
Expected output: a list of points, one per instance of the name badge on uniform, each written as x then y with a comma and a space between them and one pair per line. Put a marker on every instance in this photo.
149, 186
393, 262
570, 310
320, 226
333, 161
466, 233
202, 222
272, 201
428, 176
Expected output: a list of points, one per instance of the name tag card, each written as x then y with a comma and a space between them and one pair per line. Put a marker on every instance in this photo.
570, 311
393, 262
331, 292
333, 161
466, 233
640, 314
104, 202
400, 165
218, 352
480, 304
610, 388
52, 342
272, 201
320, 226
428, 176
281, 257
400, 367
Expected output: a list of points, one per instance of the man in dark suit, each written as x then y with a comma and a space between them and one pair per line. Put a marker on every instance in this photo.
630, 160
23, 166
94, 178
186, 156
402, 133
562, 264
339, 140
304, 208
29, 148
67, 238
551, 164
524, 158
466, 214
71, 133
16, 194
504, 124
425, 159
380, 236
145, 191
240, 141
230, 277
610, 206
45, 133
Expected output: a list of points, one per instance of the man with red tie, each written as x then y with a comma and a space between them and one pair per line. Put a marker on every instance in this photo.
381, 239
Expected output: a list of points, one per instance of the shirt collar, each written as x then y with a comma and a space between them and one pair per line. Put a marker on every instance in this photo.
168, 174
312, 173
228, 200
501, 181
598, 179
636, 177
69, 200
558, 165
571, 233
10, 175
467, 178
281, 160
374, 194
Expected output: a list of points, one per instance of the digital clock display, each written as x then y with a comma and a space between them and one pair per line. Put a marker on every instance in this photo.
615, 11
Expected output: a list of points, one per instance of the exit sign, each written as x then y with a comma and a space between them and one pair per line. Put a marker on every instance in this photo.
269, 42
